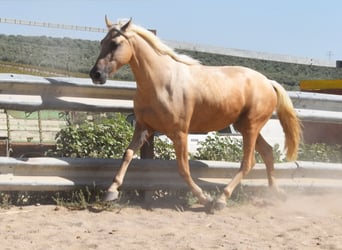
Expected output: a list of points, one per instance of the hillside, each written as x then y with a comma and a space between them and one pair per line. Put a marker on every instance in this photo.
65, 56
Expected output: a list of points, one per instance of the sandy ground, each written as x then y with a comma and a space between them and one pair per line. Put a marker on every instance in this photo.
301, 222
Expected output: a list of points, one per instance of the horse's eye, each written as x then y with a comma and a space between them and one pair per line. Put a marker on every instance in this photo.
115, 44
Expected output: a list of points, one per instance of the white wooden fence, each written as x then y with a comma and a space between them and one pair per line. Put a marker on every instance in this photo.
29, 93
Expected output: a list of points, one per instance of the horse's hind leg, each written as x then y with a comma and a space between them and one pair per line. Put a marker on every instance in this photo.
248, 161
140, 135
266, 152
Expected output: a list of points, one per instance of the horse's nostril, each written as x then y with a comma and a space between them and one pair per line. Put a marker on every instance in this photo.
97, 75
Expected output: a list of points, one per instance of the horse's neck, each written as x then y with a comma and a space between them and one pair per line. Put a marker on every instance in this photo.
149, 67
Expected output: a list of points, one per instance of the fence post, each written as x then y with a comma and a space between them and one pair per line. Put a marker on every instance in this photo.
147, 150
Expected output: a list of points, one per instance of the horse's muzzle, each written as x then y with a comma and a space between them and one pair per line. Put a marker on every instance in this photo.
98, 77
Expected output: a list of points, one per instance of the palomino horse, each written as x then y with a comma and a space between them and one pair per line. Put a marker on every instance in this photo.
177, 95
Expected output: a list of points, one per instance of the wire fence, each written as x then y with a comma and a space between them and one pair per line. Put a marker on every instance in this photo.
52, 25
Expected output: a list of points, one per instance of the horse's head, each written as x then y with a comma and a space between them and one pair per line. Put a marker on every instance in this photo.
115, 52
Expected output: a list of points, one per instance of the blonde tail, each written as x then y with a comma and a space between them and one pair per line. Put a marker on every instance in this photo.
289, 121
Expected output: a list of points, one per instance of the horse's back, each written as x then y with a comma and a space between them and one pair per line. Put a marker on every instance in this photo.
225, 93
233, 84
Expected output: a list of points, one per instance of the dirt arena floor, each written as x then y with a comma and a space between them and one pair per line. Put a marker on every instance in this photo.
301, 222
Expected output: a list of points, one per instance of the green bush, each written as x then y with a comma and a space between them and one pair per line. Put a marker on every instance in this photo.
219, 148
163, 149
320, 152
108, 138
105, 139
225, 148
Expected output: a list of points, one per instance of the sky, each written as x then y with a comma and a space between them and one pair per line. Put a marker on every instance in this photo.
303, 28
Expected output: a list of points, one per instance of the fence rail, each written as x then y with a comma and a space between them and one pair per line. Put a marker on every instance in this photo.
72, 94
30, 93
52, 25
77, 94
51, 174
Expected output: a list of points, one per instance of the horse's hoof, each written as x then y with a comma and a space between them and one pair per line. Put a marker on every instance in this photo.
111, 196
279, 194
214, 205
209, 207
219, 205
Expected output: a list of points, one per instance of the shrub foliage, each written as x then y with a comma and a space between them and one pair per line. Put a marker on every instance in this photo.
320, 152
225, 148
109, 137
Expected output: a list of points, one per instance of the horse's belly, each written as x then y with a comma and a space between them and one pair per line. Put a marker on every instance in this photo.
212, 120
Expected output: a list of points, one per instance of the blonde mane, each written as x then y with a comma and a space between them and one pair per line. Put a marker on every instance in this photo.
161, 47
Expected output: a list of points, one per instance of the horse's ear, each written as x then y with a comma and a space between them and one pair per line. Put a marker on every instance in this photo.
126, 25
108, 22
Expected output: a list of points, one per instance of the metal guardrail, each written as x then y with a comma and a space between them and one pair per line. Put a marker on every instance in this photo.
60, 93
51, 174
29, 93
316, 101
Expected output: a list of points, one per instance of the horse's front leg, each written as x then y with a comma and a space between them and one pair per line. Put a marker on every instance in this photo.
180, 142
140, 135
